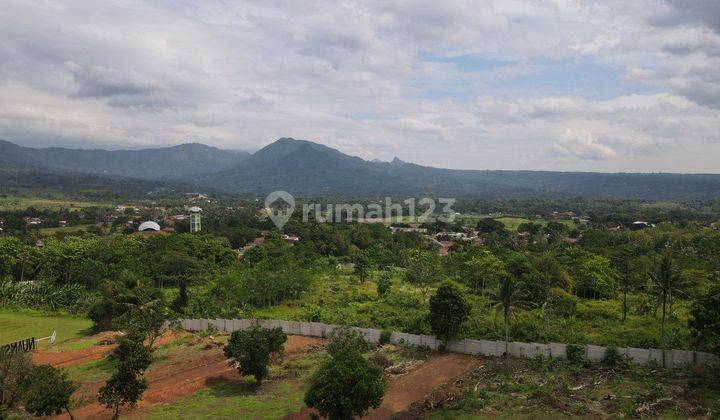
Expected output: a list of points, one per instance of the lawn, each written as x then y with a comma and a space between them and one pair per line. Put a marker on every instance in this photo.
20, 324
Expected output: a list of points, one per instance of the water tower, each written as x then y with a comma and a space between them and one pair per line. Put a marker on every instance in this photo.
195, 219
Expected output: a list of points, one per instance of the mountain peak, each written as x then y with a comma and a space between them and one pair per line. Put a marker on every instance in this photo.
397, 161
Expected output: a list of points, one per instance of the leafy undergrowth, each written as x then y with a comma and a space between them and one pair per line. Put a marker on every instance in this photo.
518, 388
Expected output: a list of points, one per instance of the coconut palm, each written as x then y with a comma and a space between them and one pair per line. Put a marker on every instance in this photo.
666, 282
507, 298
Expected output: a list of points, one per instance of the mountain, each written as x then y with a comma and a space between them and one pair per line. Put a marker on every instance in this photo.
305, 168
160, 163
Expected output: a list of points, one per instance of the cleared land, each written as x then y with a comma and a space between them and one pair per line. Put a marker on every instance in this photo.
21, 324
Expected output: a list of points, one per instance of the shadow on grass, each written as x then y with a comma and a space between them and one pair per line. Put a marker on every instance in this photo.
220, 386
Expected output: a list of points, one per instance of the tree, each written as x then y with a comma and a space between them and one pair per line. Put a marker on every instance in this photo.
704, 320
483, 269
49, 391
488, 225
506, 299
14, 370
251, 350
422, 269
666, 282
448, 310
363, 266
346, 385
384, 283
181, 301
127, 384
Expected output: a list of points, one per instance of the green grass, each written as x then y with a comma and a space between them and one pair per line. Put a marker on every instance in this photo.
20, 324
19, 203
278, 396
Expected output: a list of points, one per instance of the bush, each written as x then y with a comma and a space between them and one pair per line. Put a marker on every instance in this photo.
613, 358
251, 350
562, 303
346, 385
384, 283
575, 354
347, 337
385, 336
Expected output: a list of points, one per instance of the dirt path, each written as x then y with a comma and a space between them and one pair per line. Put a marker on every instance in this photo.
89, 354
415, 385
168, 382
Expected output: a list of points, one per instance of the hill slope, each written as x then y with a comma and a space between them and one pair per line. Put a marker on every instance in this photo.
175, 161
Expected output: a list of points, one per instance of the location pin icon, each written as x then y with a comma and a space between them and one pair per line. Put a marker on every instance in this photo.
278, 216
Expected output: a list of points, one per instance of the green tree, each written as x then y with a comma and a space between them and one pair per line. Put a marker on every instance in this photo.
507, 299
422, 269
251, 350
666, 282
363, 266
448, 310
346, 385
49, 391
704, 320
483, 269
384, 283
127, 384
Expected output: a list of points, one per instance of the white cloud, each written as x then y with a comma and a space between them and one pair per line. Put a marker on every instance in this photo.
354, 75
582, 145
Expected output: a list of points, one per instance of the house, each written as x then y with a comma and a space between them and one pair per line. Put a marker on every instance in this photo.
639, 224
62, 223
290, 239
396, 229
33, 221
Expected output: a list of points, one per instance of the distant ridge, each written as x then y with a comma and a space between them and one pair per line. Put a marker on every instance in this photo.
305, 168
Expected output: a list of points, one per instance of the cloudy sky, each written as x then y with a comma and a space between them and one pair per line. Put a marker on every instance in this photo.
505, 84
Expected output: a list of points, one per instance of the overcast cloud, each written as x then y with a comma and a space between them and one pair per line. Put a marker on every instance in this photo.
505, 84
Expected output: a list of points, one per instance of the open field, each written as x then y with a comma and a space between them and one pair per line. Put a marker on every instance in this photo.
20, 203
19, 324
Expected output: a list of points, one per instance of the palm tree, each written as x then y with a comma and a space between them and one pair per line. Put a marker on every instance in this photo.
506, 299
666, 282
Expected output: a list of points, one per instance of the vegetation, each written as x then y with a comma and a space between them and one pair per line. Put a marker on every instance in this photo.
127, 384
346, 385
251, 350
49, 391
448, 310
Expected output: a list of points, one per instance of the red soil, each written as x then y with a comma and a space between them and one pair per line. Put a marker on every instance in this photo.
168, 382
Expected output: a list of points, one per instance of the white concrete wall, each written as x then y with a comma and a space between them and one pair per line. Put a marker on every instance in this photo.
674, 358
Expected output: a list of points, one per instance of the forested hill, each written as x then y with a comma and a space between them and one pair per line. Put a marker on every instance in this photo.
159, 163
306, 168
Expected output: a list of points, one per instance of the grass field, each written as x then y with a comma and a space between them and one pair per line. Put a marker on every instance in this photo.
19, 324
19, 203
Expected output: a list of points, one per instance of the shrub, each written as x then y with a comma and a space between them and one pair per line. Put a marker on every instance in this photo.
251, 350
615, 359
562, 303
346, 385
385, 336
347, 337
384, 283
575, 354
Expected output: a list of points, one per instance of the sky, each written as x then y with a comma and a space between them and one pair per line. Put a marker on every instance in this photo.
613, 86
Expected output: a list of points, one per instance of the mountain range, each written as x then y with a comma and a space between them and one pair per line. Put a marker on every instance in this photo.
305, 168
